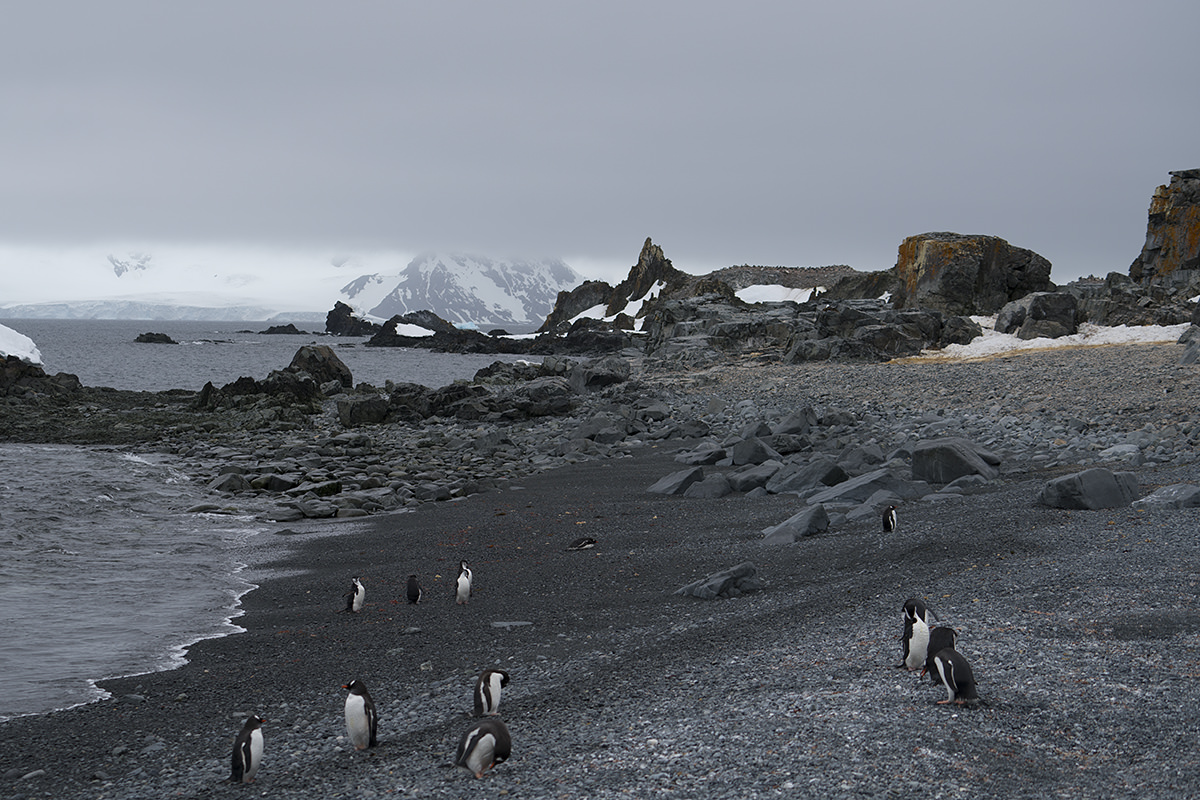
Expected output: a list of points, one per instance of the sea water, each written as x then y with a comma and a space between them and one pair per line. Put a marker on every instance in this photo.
102, 571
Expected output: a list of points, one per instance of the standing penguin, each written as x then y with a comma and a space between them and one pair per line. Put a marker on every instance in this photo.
916, 634
356, 596
940, 638
483, 746
487, 692
247, 750
361, 722
889, 519
462, 591
957, 677
413, 590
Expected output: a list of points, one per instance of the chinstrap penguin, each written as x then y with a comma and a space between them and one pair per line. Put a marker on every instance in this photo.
487, 692
462, 588
356, 596
916, 634
889, 519
361, 722
940, 638
582, 543
413, 590
956, 675
248, 750
483, 746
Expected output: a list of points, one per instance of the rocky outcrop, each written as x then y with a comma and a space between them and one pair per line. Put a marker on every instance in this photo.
154, 338
319, 361
966, 274
1119, 300
340, 321
727, 583
1091, 489
287, 330
1171, 254
18, 378
1039, 315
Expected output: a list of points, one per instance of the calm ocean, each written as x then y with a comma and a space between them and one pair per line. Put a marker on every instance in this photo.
102, 573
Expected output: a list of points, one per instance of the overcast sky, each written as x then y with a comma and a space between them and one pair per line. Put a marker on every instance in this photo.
764, 133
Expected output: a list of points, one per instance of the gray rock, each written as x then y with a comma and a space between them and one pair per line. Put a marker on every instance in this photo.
946, 459
1039, 314
677, 482
1177, 495
713, 486
821, 470
856, 490
727, 583
229, 482
368, 410
707, 453
753, 451
1091, 489
809, 522
799, 422
753, 477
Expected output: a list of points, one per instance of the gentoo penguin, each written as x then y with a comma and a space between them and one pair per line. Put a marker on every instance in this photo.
582, 543
940, 638
361, 722
916, 634
484, 746
462, 591
889, 519
413, 591
356, 596
247, 750
956, 675
487, 692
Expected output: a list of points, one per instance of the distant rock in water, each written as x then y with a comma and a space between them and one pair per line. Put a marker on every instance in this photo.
154, 338
286, 329
342, 322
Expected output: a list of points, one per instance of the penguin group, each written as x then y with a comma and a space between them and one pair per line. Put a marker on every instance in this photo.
932, 650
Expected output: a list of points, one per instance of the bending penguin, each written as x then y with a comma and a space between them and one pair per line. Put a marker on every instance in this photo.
483, 746
361, 721
356, 596
940, 638
957, 677
916, 634
413, 590
462, 590
487, 692
248, 750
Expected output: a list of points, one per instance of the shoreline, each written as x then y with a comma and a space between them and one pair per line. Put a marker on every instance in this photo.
620, 685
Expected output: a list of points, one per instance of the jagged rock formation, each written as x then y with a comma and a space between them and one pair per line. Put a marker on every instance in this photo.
340, 321
966, 274
1171, 254
1041, 314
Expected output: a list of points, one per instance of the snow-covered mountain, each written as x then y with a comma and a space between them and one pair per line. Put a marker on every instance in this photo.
466, 290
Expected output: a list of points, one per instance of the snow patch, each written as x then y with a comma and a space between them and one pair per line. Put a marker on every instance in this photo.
993, 343
19, 345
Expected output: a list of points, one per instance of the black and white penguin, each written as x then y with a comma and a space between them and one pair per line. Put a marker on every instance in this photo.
956, 675
485, 745
248, 750
582, 543
889, 519
940, 638
356, 596
916, 634
462, 589
487, 692
361, 722
413, 590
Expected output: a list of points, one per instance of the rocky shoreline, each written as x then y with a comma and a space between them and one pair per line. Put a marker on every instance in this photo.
1082, 625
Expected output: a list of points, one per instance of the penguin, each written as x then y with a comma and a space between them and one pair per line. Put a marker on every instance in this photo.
361, 722
956, 675
582, 543
483, 746
487, 692
889, 519
462, 592
916, 634
940, 638
247, 750
413, 591
356, 596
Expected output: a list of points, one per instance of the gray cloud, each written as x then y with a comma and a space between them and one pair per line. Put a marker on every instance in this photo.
731, 133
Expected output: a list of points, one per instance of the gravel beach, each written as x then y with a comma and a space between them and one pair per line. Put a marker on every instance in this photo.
1083, 627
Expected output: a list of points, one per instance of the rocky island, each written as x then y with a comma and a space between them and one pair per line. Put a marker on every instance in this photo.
1046, 509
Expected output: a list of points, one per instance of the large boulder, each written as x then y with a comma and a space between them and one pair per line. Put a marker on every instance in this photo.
809, 522
1171, 253
319, 361
340, 321
966, 274
947, 459
727, 583
1039, 315
1091, 489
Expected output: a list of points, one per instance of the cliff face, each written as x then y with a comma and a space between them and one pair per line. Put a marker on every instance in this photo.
1172, 248
966, 274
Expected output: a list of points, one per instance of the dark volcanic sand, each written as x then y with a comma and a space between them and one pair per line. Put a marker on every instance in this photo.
1083, 629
